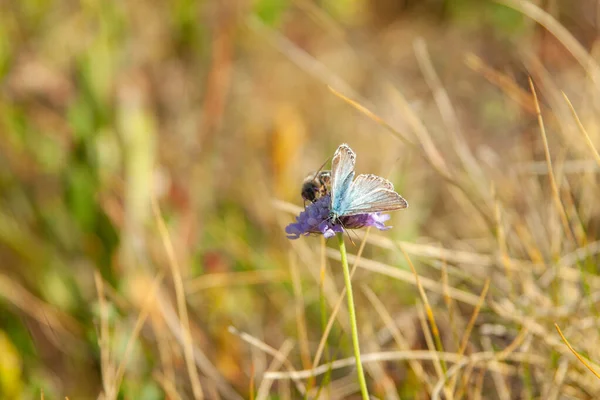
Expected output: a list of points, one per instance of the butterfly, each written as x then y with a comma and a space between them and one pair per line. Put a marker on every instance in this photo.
367, 193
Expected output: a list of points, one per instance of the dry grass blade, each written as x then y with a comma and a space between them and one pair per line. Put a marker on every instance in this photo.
560, 32
479, 385
322, 17
429, 284
385, 384
265, 385
271, 351
582, 129
104, 341
434, 328
300, 315
510, 313
513, 345
167, 386
378, 372
590, 249
559, 378
395, 332
340, 300
470, 258
467, 334
165, 352
299, 57
113, 377
427, 148
583, 361
503, 82
437, 361
149, 303
553, 184
449, 303
558, 116
374, 117
423, 355
448, 255
200, 359
504, 354
465, 339
20, 297
181, 302
325, 320
502, 389
444, 104
237, 278
501, 239
493, 360
306, 256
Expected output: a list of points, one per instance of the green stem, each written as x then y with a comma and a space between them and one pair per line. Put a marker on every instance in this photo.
354, 329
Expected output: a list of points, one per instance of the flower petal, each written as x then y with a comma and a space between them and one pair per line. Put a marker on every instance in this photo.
315, 219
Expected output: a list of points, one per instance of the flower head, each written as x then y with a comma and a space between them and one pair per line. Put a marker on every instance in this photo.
315, 219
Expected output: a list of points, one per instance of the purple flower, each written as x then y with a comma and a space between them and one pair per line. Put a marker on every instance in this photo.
315, 219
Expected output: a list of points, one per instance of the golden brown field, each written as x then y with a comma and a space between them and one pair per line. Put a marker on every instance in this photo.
152, 153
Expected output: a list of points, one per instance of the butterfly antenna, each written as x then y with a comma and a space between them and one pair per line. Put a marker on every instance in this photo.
347, 232
349, 237
355, 236
321, 168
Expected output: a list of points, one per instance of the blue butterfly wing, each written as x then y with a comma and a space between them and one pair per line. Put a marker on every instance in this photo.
371, 193
342, 175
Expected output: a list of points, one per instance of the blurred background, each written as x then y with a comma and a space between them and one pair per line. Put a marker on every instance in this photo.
214, 112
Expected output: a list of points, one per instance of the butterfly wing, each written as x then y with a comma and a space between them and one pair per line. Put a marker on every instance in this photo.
342, 174
371, 193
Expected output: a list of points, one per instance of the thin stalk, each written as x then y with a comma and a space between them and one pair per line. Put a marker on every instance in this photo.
323, 305
359, 369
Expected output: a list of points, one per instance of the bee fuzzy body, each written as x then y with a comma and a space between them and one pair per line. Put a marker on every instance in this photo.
316, 186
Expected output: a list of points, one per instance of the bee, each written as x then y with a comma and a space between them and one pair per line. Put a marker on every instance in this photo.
316, 185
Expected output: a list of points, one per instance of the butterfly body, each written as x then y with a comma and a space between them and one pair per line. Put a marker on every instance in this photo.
366, 194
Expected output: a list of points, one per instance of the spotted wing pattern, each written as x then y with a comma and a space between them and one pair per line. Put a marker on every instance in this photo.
371, 193
342, 175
